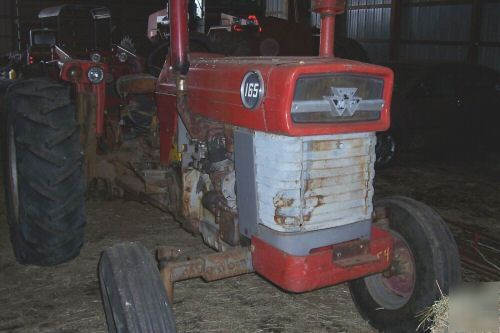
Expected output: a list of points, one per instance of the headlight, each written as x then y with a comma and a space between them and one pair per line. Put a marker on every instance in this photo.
337, 98
122, 57
95, 75
95, 57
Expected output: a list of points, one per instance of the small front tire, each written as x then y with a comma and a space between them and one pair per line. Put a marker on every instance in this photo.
426, 263
134, 297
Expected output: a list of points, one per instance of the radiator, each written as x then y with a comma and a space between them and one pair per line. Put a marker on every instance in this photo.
312, 183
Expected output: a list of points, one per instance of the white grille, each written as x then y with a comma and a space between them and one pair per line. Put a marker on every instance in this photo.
311, 183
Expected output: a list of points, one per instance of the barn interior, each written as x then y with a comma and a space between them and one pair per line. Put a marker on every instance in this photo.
442, 147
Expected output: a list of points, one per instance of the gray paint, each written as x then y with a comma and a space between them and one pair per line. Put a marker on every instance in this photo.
245, 182
301, 243
346, 214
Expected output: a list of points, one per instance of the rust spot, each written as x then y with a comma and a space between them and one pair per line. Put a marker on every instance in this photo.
280, 220
280, 201
321, 200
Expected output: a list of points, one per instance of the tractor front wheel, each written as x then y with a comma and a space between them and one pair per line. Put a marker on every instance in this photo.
425, 264
133, 294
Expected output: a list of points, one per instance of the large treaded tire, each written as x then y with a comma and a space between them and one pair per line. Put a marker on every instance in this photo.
43, 175
436, 261
133, 294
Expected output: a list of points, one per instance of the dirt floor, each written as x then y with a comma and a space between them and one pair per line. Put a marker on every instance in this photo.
66, 298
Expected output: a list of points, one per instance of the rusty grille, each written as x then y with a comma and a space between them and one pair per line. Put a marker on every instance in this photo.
311, 183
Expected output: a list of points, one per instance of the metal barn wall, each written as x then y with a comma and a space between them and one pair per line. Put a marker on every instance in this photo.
6, 26
489, 51
427, 30
277, 8
369, 21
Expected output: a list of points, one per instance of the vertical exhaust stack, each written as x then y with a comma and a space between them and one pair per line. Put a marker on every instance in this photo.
328, 9
179, 36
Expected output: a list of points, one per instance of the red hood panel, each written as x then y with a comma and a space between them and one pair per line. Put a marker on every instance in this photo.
214, 91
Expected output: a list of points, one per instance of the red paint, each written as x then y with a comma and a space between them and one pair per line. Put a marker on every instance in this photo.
168, 125
327, 36
317, 270
179, 36
83, 84
327, 10
214, 92
100, 92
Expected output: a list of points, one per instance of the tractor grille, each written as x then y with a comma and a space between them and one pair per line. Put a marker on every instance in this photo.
311, 183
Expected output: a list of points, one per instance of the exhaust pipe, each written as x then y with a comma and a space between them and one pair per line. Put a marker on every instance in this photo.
327, 9
179, 36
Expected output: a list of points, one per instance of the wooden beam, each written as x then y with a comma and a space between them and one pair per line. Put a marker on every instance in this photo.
396, 13
16, 43
475, 32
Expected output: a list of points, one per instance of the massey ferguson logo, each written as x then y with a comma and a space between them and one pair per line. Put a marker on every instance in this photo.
343, 101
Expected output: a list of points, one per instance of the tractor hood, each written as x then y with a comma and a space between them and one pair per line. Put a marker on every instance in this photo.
287, 95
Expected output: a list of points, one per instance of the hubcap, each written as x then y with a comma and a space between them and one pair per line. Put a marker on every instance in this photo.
393, 288
13, 174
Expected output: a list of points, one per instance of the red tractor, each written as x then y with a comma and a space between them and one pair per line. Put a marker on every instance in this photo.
62, 112
270, 160
276, 172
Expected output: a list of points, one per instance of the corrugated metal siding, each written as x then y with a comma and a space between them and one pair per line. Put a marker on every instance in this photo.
490, 32
369, 23
490, 56
420, 52
445, 23
424, 26
364, 24
6, 27
312, 183
490, 27
277, 8
368, 2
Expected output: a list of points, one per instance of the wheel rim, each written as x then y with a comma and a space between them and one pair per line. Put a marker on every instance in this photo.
394, 288
385, 148
13, 182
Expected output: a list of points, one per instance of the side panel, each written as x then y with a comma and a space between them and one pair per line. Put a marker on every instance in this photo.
214, 92
245, 180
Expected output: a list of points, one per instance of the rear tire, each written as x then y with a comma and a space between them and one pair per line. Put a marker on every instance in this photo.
133, 294
43, 175
435, 262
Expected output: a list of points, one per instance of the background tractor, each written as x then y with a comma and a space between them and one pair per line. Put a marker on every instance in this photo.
241, 28
58, 116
